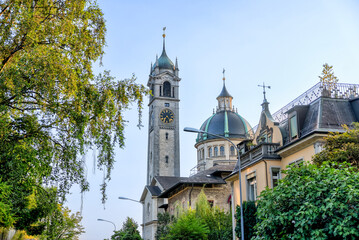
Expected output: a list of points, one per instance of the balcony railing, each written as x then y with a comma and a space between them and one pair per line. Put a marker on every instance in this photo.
261, 151
338, 90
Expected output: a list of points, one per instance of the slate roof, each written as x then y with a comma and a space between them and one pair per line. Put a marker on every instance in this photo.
154, 190
167, 181
224, 92
322, 115
209, 176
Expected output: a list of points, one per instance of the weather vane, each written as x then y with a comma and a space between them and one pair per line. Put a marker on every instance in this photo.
164, 32
224, 78
264, 89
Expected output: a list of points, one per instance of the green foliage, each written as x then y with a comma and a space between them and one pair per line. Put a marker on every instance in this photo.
6, 216
163, 222
218, 221
52, 107
205, 222
128, 231
311, 202
249, 219
188, 227
341, 147
328, 79
61, 224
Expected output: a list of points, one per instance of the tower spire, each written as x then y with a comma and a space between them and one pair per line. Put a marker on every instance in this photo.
164, 39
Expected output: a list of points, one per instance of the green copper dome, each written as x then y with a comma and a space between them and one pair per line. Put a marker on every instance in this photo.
164, 62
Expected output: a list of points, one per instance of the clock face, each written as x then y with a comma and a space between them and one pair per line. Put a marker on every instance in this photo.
166, 116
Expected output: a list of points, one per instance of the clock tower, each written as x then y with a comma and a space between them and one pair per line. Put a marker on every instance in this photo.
163, 157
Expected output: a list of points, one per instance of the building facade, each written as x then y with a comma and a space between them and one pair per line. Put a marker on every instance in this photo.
292, 135
163, 157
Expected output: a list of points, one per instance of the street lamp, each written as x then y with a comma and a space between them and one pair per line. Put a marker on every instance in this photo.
188, 129
125, 198
103, 220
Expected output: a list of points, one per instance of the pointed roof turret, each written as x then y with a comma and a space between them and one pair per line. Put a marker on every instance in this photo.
164, 62
224, 92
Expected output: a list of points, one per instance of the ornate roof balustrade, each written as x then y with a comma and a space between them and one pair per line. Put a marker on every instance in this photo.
338, 90
259, 152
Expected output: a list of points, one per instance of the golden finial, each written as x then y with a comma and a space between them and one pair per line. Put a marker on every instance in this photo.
224, 78
164, 32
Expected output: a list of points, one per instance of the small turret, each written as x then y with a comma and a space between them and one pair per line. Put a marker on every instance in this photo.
176, 68
157, 68
224, 98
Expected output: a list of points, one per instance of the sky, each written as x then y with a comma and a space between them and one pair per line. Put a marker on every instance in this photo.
280, 43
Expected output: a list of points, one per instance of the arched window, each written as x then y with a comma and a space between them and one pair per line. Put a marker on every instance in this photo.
210, 152
215, 151
221, 150
166, 159
232, 151
166, 136
167, 89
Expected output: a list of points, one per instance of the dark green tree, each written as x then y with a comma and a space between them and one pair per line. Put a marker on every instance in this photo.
52, 106
249, 219
6, 218
188, 227
311, 202
128, 231
164, 220
341, 147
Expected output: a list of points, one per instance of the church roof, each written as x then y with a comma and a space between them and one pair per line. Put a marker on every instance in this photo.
168, 181
209, 176
224, 92
224, 123
164, 62
154, 190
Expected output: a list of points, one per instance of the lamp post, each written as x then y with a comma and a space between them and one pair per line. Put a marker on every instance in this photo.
188, 129
130, 199
103, 220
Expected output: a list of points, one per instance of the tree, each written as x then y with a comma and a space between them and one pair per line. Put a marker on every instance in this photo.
187, 227
250, 219
6, 217
52, 106
128, 231
341, 147
62, 225
204, 222
218, 221
164, 220
328, 79
311, 202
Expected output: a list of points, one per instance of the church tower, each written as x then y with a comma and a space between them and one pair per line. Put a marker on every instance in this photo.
163, 157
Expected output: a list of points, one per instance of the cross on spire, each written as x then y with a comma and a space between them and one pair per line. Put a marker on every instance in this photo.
264, 90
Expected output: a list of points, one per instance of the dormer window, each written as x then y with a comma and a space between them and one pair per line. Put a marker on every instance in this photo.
293, 127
